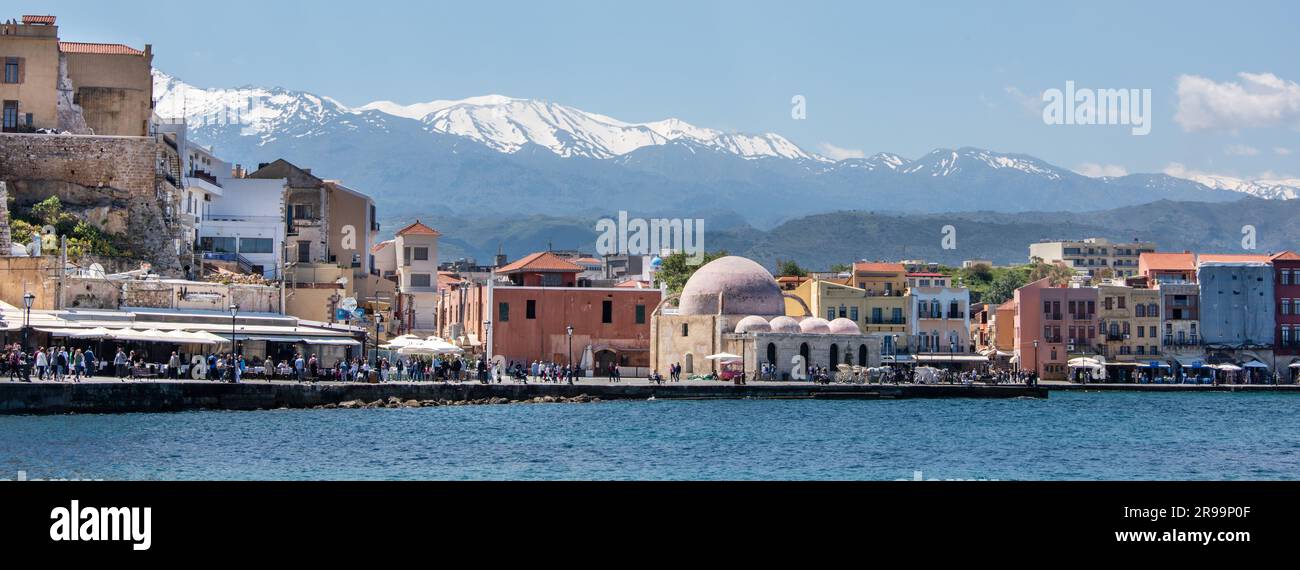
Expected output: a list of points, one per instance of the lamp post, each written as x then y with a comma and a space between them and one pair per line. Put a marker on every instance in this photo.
28, 297
1037, 365
234, 311
569, 332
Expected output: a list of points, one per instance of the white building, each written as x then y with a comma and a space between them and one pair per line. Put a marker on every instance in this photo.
246, 225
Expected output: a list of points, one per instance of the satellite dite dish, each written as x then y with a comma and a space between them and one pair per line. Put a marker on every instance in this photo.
96, 270
349, 304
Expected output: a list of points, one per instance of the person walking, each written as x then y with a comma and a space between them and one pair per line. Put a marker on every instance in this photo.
299, 366
78, 365
174, 367
42, 362
119, 364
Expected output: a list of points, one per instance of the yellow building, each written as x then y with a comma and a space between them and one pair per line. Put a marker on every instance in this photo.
83, 88
1129, 323
875, 314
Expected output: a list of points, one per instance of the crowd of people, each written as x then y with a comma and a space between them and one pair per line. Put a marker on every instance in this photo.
55, 363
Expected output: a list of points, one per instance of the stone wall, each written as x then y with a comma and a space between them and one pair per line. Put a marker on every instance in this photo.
111, 182
5, 244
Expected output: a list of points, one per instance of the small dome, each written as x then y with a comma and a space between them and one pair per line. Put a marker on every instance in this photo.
753, 323
656, 261
742, 287
815, 325
784, 325
844, 326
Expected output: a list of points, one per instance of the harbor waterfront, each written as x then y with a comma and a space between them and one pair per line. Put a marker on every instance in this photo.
111, 396
1070, 436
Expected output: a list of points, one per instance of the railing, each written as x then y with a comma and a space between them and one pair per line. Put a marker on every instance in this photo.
1192, 340
242, 262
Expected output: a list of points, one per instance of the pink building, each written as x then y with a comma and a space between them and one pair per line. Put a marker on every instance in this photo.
1053, 325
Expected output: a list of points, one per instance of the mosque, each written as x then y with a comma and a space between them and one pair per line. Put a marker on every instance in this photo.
734, 305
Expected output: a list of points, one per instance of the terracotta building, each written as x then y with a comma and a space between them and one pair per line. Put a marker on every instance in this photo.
525, 315
1053, 325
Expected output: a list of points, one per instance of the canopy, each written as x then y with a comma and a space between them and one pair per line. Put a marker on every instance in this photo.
1294, 365
1084, 362
1229, 367
723, 356
429, 346
1256, 364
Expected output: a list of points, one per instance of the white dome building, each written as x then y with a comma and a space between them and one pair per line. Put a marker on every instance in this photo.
734, 305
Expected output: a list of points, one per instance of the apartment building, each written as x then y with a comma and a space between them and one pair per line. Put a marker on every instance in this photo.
1088, 256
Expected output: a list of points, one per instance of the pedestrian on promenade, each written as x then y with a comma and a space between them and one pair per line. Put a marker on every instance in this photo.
78, 365
174, 366
42, 362
299, 366
119, 364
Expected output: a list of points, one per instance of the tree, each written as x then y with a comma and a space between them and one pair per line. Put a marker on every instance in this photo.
1004, 286
790, 269
677, 268
1103, 274
1059, 274
841, 268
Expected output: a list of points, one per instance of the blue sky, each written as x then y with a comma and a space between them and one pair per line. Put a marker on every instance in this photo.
876, 76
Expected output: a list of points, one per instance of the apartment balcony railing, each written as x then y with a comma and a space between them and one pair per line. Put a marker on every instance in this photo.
1182, 341
891, 321
242, 262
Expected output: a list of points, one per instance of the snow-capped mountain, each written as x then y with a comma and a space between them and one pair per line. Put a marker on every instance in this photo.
506, 124
513, 156
1286, 189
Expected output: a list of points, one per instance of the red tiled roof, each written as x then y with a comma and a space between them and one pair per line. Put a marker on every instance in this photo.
448, 279
879, 267
588, 261
34, 19
1286, 256
381, 245
634, 284
418, 229
542, 261
102, 49
1168, 261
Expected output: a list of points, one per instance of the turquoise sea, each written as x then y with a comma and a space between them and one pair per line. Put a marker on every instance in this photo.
1119, 436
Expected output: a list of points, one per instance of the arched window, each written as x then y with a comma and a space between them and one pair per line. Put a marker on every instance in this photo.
803, 351
862, 355
952, 309
771, 353
835, 354
690, 363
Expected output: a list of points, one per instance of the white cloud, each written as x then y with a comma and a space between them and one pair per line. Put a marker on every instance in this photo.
1240, 150
837, 153
1094, 170
1282, 151
1034, 105
1258, 100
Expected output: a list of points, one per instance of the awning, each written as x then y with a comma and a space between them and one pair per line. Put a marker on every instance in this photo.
938, 358
1294, 365
333, 341
1191, 362
1256, 364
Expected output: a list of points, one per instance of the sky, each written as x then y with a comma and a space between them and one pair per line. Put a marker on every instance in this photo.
893, 77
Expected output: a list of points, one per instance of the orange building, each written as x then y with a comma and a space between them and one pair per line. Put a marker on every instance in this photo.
525, 314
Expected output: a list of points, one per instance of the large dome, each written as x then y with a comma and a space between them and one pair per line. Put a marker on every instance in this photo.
745, 288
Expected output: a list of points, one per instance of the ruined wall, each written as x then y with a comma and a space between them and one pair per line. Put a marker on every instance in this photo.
19, 275
193, 295
111, 182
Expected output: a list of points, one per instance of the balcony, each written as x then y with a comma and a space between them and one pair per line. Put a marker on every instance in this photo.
1192, 340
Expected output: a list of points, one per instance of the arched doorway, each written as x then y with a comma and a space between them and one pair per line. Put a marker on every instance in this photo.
835, 354
604, 358
803, 351
862, 355
771, 353
689, 367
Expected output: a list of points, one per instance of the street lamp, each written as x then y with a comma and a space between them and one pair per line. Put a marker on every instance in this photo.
28, 297
1037, 364
569, 332
234, 311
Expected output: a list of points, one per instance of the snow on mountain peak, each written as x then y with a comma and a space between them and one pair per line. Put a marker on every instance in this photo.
503, 123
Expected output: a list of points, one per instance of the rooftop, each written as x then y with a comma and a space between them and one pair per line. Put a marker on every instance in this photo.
102, 49
35, 19
1158, 261
876, 267
418, 229
542, 261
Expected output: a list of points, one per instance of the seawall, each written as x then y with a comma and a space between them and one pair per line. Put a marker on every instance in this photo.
110, 397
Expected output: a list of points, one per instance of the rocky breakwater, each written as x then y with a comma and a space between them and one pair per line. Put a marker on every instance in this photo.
395, 402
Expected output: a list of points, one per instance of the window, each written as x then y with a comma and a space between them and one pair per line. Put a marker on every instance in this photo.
1295, 307
11, 70
420, 280
530, 309
301, 211
1286, 336
1285, 309
686, 330
1285, 276
640, 314
1121, 301
606, 311
304, 251
11, 115
830, 313
420, 253
853, 313
844, 312
256, 245
217, 244
503, 312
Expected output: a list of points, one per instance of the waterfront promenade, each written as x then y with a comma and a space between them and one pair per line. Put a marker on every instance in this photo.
106, 395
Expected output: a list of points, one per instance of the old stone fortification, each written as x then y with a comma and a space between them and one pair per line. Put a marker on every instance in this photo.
111, 182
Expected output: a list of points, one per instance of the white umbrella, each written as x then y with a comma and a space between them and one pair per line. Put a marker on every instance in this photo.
723, 356
1256, 364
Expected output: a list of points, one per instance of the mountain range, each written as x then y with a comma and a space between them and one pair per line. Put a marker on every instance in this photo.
495, 156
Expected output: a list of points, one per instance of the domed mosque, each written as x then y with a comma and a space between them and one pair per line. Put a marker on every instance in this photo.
733, 305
